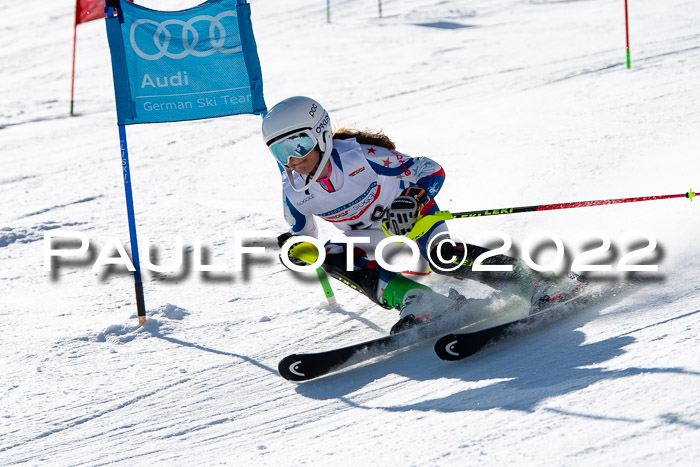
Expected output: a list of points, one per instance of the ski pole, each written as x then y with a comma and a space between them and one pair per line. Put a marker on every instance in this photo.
307, 252
326, 285
425, 223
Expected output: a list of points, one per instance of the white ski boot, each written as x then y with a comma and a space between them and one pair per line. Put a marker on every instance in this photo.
551, 290
420, 306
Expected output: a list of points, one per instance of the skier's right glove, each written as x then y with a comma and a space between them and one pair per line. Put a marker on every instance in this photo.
281, 240
404, 210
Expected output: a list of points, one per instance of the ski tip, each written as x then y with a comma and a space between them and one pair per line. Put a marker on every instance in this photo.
445, 348
291, 368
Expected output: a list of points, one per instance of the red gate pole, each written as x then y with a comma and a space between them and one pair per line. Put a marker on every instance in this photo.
72, 75
627, 34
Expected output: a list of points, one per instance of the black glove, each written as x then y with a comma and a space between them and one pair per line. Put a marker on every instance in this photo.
281, 240
404, 210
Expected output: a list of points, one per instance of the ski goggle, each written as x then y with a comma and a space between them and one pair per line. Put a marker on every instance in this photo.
298, 144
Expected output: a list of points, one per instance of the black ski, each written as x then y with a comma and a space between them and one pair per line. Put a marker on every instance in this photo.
306, 366
457, 346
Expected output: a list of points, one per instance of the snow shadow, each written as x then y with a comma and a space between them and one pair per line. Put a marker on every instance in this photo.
34, 120
161, 322
192, 345
528, 368
155, 329
444, 25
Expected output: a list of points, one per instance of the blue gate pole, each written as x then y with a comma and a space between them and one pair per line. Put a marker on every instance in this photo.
138, 285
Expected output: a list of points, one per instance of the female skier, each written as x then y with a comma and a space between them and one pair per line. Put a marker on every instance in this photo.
355, 180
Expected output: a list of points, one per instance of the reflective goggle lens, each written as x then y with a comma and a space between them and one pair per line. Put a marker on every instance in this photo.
296, 145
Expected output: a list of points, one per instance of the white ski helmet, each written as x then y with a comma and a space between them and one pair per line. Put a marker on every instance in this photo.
291, 117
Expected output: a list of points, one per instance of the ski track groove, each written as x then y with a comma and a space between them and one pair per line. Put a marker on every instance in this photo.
59, 206
90, 418
217, 391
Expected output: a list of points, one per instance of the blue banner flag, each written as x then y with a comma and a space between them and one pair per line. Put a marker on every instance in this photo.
183, 65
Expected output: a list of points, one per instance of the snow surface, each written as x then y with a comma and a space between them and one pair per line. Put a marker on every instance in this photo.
523, 102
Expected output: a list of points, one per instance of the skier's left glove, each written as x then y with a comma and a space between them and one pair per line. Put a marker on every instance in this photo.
404, 210
281, 240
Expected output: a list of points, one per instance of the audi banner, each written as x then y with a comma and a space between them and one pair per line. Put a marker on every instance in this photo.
183, 65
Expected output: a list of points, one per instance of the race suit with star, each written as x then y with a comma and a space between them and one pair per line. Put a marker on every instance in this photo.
363, 182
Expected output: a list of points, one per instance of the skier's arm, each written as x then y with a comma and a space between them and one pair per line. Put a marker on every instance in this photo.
300, 224
413, 171
429, 175
421, 180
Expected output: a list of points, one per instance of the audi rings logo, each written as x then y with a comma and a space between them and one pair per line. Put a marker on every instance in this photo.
188, 33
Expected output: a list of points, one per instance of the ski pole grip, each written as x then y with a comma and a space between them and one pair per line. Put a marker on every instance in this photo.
305, 251
425, 223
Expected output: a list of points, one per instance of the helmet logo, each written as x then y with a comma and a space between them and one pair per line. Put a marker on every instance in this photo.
321, 126
312, 112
